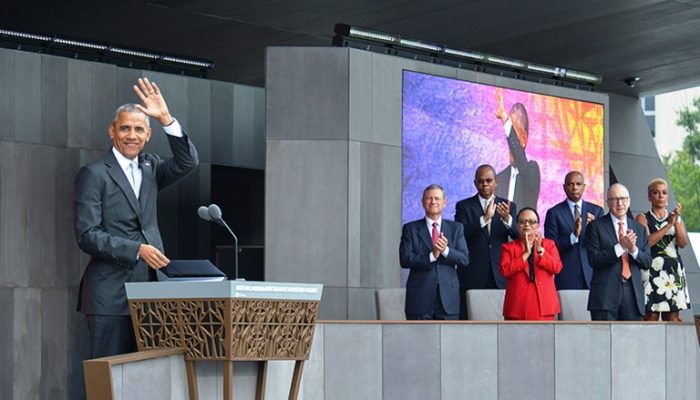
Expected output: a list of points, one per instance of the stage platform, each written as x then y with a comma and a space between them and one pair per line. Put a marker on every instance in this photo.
481, 360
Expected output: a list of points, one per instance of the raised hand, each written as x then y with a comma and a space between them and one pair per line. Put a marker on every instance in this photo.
589, 218
538, 242
500, 110
490, 210
440, 245
673, 217
153, 103
578, 225
629, 241
502, 209
528, 241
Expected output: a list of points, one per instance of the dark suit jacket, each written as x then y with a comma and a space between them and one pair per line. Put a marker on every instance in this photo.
558, 226
111, 223
517, 272
424, 277
484, 249
527, 183
606, 283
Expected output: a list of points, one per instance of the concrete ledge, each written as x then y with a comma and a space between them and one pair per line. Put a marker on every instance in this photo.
152, 374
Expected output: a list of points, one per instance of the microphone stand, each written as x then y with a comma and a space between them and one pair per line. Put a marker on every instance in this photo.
223, 223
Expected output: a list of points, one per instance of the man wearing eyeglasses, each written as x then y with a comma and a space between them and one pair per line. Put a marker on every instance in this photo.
489, 221
618, 248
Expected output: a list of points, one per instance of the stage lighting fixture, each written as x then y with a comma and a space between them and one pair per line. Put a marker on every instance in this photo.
631, 81
373, 40
104, 52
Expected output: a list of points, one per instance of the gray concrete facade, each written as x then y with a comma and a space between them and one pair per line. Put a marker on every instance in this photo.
333, 173
54, 114
471, 360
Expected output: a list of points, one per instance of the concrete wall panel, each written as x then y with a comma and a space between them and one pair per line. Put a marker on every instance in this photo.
469, 361
307, 93
526, 360
638, 354
411, 369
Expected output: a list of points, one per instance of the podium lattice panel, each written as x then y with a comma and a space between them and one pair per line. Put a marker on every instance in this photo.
197, 325
227, 329
267, 329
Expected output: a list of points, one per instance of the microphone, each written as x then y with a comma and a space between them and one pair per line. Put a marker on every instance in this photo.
203, 212
213, 213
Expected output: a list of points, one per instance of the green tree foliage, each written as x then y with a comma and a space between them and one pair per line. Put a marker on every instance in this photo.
683, 166
684, 174
689, 119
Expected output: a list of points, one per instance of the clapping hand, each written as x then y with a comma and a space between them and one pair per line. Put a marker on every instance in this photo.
589, 218
528, 242
673, 217
538, 242
440, 246
502, 209
629, 241
578, 225
490, 210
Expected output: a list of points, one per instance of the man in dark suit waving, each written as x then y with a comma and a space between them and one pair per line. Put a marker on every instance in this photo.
618, 249
566, 224
519, 182
115, 216
433, 249
488, 222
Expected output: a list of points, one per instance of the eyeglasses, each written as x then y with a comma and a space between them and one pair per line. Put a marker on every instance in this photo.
527, 221
618, 199
486, 181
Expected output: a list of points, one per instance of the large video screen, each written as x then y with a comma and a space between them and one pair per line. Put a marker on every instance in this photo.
450, 127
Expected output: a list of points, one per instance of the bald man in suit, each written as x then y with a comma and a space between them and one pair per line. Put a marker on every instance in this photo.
488, 222
618, 249
115, 216
566, 223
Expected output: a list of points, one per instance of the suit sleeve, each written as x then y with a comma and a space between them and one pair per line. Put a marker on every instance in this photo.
92, 238
601, 252
553, 231
512, 231
471, 226
512, 261
184, 160
529, 170
643, 259
409, 255
459, 253
550, 261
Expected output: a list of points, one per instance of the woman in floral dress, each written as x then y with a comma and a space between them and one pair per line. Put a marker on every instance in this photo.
665, 289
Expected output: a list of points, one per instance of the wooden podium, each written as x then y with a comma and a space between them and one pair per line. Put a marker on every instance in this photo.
227, 321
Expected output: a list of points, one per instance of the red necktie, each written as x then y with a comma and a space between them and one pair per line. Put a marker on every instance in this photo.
436, 233
626, 272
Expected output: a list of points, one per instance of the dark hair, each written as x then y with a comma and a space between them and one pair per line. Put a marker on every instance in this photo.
517, 217
484, 166
518, 112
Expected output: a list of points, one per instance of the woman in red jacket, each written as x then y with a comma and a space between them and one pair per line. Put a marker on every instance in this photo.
529, 265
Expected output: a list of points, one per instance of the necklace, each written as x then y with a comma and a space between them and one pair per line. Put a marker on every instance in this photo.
659, 219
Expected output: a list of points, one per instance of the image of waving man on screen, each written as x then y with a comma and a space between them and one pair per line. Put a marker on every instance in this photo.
519, 182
